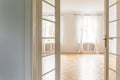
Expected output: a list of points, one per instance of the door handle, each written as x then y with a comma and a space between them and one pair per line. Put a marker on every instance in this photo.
105, 39
110, 38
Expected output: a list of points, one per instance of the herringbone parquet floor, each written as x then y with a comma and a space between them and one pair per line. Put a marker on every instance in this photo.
82, 67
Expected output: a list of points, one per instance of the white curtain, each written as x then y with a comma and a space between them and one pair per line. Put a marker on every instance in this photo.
90, 31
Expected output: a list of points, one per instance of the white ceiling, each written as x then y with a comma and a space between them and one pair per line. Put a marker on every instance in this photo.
82, 6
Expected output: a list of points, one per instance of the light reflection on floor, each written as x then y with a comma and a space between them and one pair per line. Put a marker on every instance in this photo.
82, 67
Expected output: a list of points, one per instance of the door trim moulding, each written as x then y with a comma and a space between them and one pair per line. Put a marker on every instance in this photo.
106, 16
28, 39
36, 43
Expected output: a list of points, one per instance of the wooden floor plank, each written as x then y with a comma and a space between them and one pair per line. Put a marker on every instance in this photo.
82, 67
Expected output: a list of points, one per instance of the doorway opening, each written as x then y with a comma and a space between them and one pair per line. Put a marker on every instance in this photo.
82, 44
82, 40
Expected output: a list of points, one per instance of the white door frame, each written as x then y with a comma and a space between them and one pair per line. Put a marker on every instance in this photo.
28, 39
33, 60
36, 57
107, 25
32, 67
106, 18
57, 40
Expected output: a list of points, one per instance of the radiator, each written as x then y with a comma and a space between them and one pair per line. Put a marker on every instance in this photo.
88, 47
49, 48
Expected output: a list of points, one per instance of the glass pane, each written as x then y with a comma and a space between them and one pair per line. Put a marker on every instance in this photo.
50, 76
48, 63
118, 46
113, 46
48, 12
113, 13
112, 61
48, 46
48, 29
113, 29
112, 2
51, 1
112, 75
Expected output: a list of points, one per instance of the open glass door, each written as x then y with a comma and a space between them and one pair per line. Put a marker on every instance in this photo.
50, 39
112, 39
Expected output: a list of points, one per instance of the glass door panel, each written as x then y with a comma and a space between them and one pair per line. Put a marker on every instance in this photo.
112, 37
48, 63
112, 2
112, 61
112, 75
113, 29
48, 11
113, 13
113, 46
48, 46
51, 1
49, 40
50, 76
48, 29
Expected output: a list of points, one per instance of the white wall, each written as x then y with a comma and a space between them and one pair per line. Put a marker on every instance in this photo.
69, 40
12, 39
101, 35
82, 5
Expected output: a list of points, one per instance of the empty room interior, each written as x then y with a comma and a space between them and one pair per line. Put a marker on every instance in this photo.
82, 39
